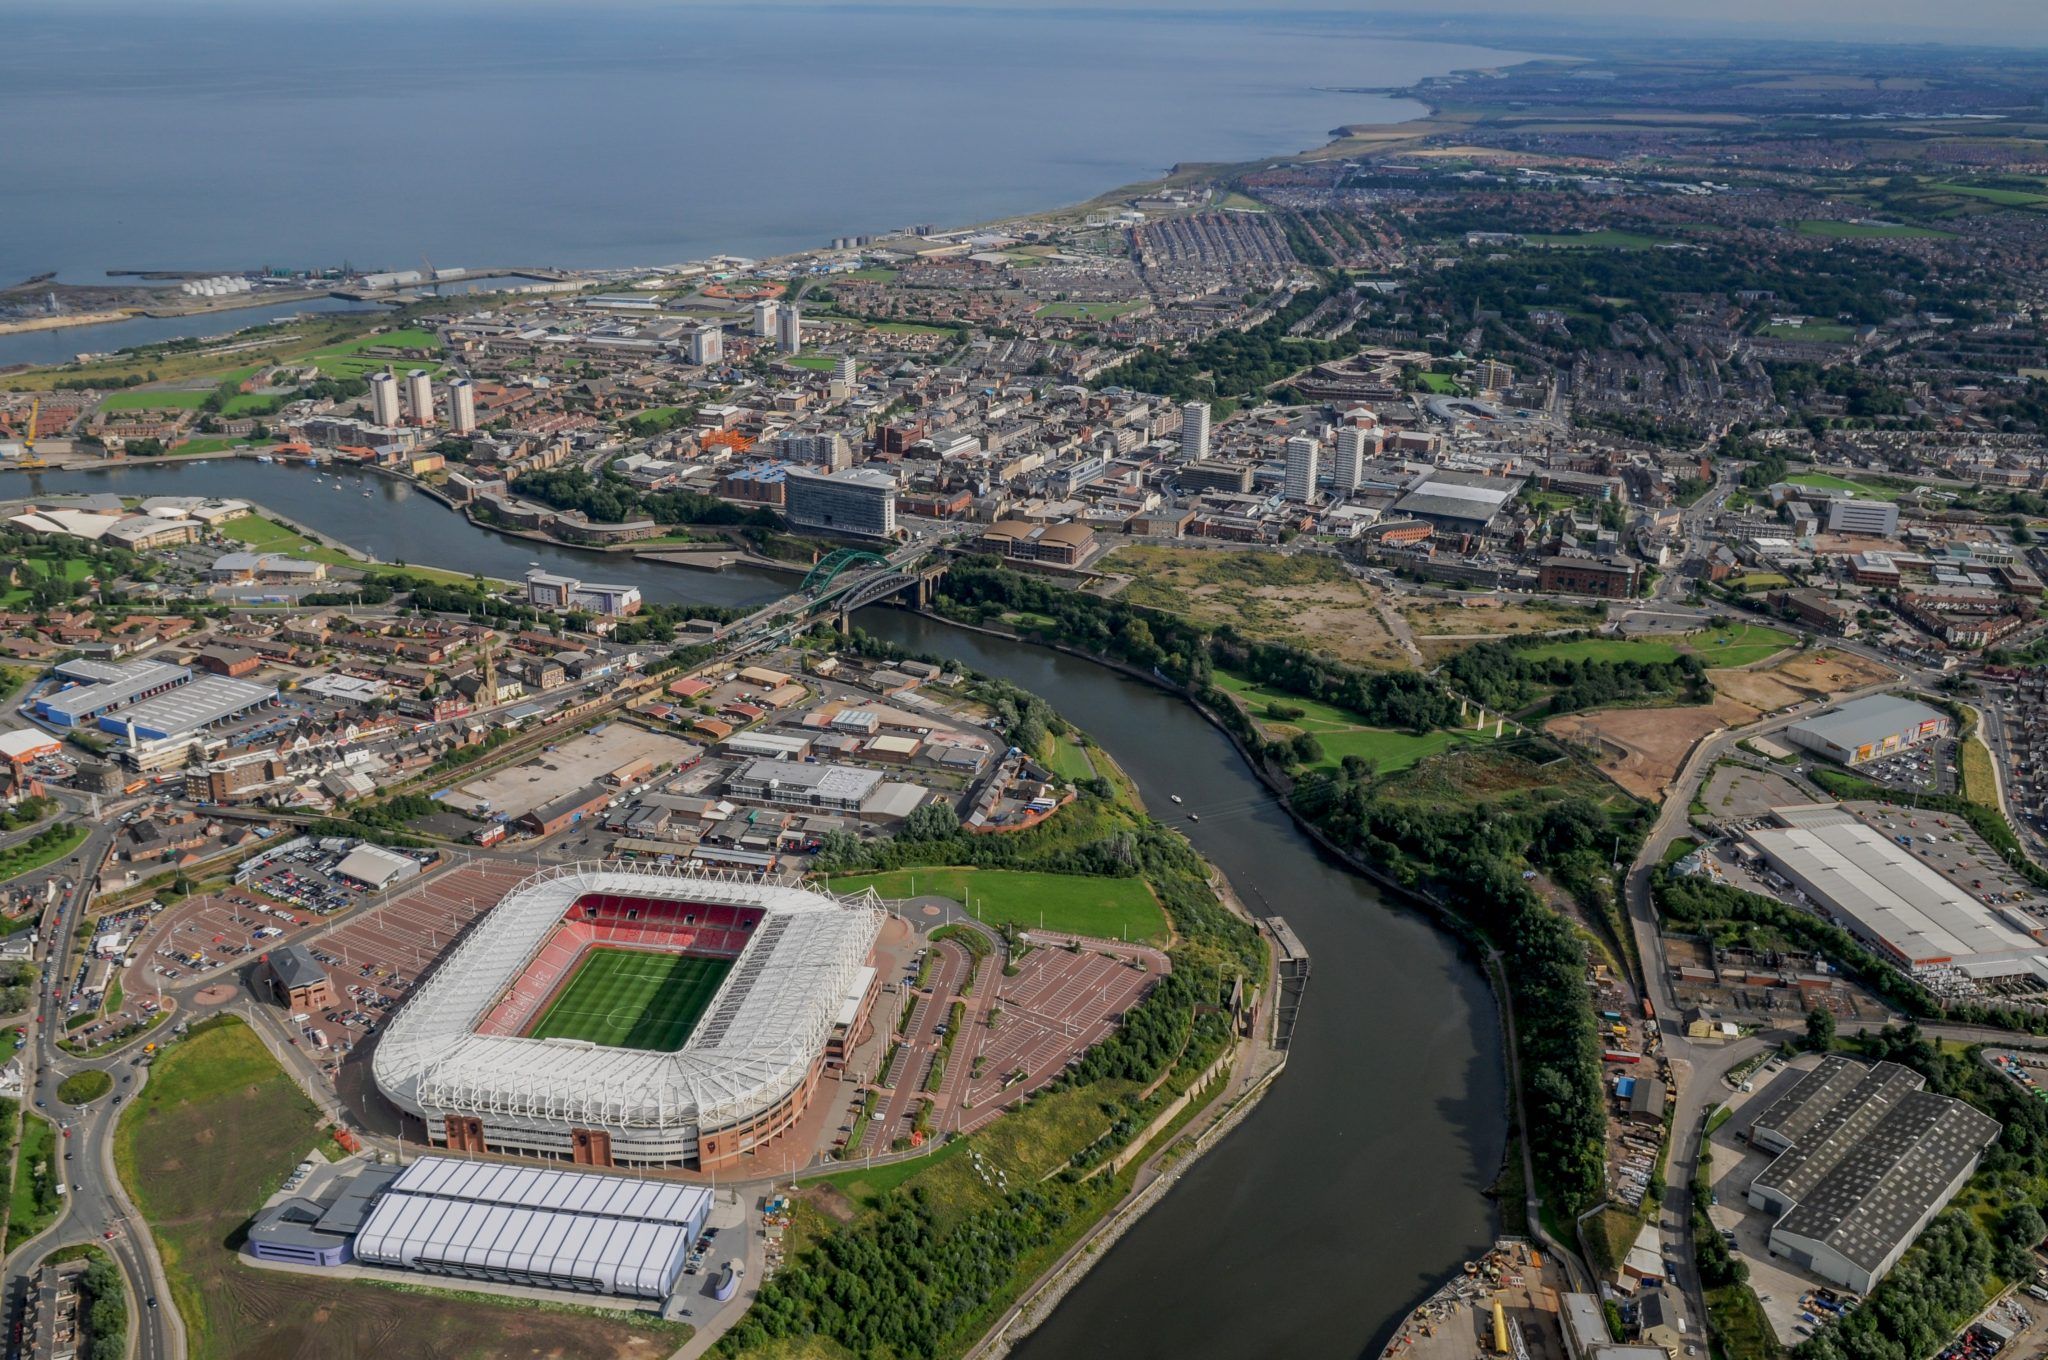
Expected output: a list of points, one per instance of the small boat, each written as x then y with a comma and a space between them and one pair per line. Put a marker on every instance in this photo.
366, 495
1176, 798
1194, 816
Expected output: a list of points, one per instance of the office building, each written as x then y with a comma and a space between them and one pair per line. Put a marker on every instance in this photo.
1864, 1160
383, 398
548, 590
789, 783
858, 501
462, 406
764, 317
1491, 375
1355, 444
707, 345
1870, 729
844, 370
789, 329
419, 396
1872, 519
1304, 455
1211, 474
816, 448
1194, 430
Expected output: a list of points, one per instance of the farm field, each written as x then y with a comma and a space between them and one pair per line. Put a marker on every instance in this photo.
1109, 908
633, 998
2004, 198
1863, 231
1339, 731
212, 1135
1309, 601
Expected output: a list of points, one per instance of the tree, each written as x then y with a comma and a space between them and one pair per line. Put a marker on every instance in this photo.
1820, 1029
933, 821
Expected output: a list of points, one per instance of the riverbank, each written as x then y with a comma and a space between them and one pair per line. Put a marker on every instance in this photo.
60, 323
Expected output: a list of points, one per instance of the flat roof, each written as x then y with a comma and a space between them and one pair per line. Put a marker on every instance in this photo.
105, 685
195, 704
1890, 893
376, 866
837, 781
1863, 722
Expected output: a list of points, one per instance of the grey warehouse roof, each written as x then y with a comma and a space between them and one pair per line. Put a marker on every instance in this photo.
1876, 1157
1865, 721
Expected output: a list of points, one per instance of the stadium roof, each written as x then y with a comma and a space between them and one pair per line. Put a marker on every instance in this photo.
1892, 894
1865, 722
756, 1041
613, 1233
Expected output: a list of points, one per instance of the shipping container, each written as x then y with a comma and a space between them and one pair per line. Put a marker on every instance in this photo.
1616, 1055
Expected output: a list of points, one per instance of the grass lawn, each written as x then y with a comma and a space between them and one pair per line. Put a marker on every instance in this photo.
1091, 311
206, 443
1980, 780
28, 857
1828, 481
1742, 645
1340, 732
213, 1134
633, 998
347, 360
1069, 760
1604, 239
1820, 333
154, 399
816, 363
264, 535
1108, 908
1443, 384
864, 275
1760, 580
25, 1216
1860, 231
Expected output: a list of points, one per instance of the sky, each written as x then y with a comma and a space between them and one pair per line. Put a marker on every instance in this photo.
2022, 23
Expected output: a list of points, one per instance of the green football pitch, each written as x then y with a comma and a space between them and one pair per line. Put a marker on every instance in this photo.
631, 998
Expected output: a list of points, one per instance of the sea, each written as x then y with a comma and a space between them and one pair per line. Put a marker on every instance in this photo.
232, 134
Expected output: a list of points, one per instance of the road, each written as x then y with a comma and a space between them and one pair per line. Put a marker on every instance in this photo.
96, 1207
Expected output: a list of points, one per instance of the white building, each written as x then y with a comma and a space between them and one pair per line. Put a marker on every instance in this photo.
844, 370
1874, 519
1304, 458
764, 317
384, 398
462, 406
789, 329
1194, 430
707, 345
859, 501
419, 395
1355, 444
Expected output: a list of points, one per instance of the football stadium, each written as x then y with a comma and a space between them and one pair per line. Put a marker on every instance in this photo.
634, 1016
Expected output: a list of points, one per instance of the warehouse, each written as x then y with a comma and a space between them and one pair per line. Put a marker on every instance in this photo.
564, 813
1864, 1160
182, 711
1891, 897
99, 687
571, 1230
1868, 729
27, 745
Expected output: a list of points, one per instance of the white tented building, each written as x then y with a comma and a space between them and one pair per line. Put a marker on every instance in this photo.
375, 867
572, 1230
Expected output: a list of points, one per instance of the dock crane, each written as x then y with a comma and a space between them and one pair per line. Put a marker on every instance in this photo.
29, 457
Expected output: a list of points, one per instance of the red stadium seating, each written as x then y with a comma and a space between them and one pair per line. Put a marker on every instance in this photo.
711, 929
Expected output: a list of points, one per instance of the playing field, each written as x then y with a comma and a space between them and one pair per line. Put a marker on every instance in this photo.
633, 998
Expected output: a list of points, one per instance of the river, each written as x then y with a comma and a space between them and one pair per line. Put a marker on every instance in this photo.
1352, 1188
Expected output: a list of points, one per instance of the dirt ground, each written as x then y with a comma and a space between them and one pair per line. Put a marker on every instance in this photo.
1492, 616
1735, 793
1810, 675
1309, 601
1653, 742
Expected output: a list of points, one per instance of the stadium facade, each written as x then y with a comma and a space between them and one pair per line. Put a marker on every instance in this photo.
460, 1057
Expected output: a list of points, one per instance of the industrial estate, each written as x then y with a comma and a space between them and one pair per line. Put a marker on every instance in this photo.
557, 805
